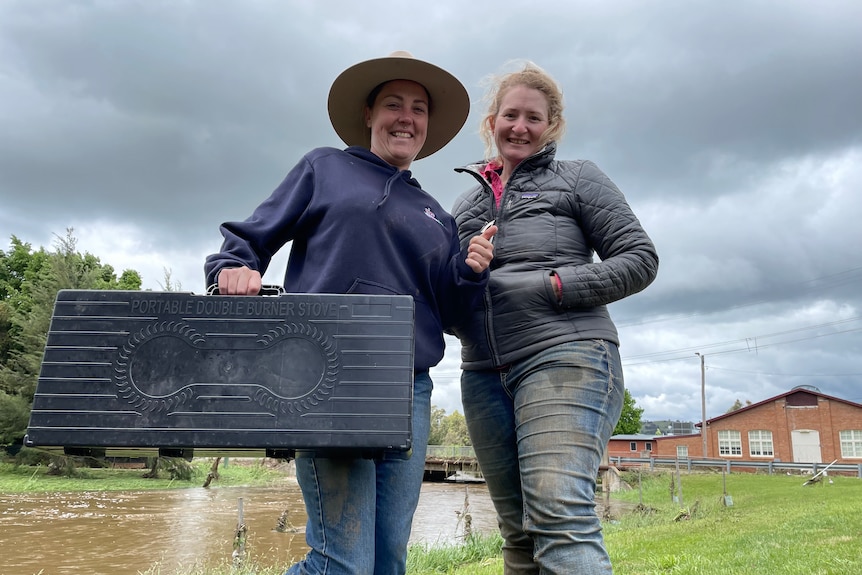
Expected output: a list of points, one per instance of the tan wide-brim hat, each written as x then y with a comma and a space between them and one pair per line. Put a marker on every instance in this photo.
450, 103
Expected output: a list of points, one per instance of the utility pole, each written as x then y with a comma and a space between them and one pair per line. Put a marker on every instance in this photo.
702, 401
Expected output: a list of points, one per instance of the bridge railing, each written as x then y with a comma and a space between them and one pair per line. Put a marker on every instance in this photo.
450, 452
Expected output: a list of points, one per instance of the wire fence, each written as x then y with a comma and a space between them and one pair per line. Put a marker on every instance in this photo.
729, 465
451, 452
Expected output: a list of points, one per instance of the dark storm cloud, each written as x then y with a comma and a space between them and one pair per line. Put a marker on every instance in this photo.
149, 111
673, 93
733, 129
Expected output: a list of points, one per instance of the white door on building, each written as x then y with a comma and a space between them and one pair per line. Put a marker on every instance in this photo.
806, 445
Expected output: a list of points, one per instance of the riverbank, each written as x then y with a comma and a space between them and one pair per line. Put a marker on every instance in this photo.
477, 555
23, 479
113, 522
693, 524
741, 524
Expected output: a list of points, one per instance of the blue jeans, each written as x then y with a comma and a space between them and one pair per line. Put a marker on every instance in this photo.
360, 511
539, 429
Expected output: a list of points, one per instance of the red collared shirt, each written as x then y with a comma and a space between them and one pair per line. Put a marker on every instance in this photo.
491, 172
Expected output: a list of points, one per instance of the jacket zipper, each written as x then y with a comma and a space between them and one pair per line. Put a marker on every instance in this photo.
486, 297
495, 214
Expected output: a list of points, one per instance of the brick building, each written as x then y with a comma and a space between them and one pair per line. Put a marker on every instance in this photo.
634, 445
801, 426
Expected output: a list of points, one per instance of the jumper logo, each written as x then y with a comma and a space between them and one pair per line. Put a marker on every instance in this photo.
430, 214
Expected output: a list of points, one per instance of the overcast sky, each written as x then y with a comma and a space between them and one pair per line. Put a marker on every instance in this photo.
733, 128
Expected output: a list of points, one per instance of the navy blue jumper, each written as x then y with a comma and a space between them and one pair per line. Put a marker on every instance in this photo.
359, 226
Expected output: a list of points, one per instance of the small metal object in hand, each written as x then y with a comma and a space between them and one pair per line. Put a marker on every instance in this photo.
485, 227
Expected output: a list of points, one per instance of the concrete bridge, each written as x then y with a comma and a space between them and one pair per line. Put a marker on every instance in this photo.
458, 463
451, 461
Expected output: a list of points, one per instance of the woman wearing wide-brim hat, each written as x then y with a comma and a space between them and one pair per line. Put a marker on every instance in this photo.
360, 223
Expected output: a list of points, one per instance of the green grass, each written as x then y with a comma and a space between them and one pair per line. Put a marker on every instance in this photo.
477, 552
478, 555
774, 525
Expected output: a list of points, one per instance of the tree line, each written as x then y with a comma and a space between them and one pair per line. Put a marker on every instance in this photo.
29, 281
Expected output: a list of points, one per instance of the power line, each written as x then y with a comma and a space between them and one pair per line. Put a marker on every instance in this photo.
748, 341
747, 349
785, 374
838, 279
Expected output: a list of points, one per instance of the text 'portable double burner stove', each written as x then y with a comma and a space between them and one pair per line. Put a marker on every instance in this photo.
179, 373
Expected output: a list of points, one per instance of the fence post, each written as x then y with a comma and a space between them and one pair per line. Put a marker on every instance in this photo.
239, 538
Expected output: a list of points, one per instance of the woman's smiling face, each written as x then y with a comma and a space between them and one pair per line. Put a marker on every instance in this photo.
399, 122
519, 125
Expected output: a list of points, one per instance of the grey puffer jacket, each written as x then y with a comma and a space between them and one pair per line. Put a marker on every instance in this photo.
554, 215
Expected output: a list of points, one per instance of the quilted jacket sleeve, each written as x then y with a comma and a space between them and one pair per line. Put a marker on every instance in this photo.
628, 259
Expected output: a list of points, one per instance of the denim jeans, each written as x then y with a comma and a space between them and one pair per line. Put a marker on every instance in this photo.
360, 511
539, 429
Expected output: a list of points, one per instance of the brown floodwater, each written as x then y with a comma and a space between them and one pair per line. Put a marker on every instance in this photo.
127, 532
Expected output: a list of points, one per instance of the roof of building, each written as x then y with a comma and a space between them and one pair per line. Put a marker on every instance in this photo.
793, 391
677, 435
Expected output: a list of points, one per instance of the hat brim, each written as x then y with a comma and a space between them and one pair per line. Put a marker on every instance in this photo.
450, 103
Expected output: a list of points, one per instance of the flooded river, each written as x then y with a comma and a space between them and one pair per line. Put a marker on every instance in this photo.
127, 532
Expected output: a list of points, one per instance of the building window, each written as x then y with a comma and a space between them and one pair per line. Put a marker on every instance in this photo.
682, 451
649, 446
633, 446
729, 443
760, 443
851, 443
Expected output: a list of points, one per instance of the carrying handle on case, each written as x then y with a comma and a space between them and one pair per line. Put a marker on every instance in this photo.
266, 289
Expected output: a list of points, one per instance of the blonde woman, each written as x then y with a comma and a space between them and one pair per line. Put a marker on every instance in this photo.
541, 383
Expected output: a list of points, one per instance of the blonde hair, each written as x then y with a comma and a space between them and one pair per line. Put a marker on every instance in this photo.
531, 76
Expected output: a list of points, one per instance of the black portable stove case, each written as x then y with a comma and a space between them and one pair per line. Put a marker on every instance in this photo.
183, 374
